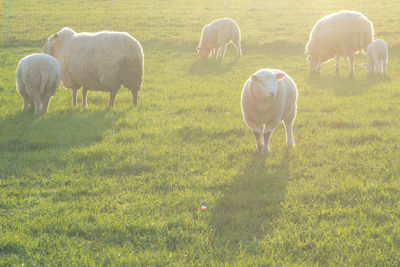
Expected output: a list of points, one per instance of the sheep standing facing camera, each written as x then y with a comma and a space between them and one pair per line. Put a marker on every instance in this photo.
269, 96
38, 76
377, 56
217, 35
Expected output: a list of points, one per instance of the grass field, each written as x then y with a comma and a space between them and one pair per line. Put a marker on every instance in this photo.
123, 186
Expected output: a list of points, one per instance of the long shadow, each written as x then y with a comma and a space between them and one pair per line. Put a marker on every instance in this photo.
62, 130
394, 51
278, 47
252, 204
344, 86
203, 66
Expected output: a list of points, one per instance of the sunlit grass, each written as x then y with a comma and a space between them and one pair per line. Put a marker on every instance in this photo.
124, 186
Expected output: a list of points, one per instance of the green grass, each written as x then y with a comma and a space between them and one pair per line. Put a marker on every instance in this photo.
124, 186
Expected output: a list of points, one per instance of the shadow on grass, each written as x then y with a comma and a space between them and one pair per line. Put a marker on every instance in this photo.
203, 66
394, 51
252, 204
344, 86
70, 128
279, 47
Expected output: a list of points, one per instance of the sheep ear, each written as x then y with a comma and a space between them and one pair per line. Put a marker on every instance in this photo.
280, 76
254, 78
55, 35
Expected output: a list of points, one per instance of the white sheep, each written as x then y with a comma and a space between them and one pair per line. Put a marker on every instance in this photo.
269, 96
377, 55
38, 76
217, 35
339, 34
100, 61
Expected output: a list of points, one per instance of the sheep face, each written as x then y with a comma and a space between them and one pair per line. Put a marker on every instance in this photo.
315, 62
51, 44
265, 84
204, 51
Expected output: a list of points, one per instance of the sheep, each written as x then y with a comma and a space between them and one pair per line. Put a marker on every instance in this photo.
217, 35
377, 55
269, 96
339, 34
101, 61
37, 79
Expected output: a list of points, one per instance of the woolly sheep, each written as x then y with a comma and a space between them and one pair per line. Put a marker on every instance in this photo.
339, 34
101, 61
377, 55
269, 96
217, 35
38, 76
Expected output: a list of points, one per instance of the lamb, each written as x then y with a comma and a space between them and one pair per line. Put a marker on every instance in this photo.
217, 35
377, 55
269, 96
101, 61
38, 76
339, 34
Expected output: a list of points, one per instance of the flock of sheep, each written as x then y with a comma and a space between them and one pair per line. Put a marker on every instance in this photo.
104, 61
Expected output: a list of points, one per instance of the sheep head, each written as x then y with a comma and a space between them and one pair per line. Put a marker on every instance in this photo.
265, 83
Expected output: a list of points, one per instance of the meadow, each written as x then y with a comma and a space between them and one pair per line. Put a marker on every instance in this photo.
124, 186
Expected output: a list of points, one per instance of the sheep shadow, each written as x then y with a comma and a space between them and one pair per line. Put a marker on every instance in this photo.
62, 130
250, 207
343, 85
204, 66
278, 47
394, 50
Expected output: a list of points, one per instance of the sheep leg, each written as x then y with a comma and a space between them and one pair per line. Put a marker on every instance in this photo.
74, 96
289, 132
135, 96
384, 66
213, 52
25, 105
257, 135
113, 94
351, 65
84, 97
238, 48
267, 136
222, 51
27, 101
378, 66
337, 70
45, 103
38, 109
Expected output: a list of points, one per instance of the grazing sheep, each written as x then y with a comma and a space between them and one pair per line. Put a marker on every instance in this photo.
217, 35
339, 34
377, 55
38, 76
269, 96
100, 61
